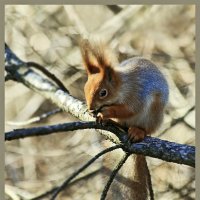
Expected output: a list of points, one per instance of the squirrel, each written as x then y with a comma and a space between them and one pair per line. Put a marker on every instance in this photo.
133, 93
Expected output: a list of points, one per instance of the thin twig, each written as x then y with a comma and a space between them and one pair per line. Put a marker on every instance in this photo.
35, 119
151, 193
87, 176
48, 74
76, 173
176, 121
113, 174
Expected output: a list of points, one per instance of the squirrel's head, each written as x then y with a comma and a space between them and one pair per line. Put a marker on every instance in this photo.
103, 81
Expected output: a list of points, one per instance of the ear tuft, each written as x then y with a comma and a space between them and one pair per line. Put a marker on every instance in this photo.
89, 60
96, 57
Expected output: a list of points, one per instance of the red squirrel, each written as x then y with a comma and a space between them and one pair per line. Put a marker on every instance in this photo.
134, 94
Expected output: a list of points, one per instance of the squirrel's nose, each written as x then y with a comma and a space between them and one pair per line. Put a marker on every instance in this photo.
91, 108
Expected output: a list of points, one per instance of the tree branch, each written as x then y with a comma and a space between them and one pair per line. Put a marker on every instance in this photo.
154, 147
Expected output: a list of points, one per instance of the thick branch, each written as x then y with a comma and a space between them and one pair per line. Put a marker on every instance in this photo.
153, 147
171, 152
45, 130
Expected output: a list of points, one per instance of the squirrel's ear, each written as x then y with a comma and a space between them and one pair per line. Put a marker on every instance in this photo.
90, 63
89, 60
96, 57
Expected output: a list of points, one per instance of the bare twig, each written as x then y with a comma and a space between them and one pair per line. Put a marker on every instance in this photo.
176, 121
12, 62
49, 192
48, 74
83, 168
113, 174
35, 119
151, 192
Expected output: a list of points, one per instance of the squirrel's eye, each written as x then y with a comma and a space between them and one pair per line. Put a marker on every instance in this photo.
103, 93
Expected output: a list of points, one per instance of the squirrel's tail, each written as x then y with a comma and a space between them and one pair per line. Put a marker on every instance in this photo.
133, 181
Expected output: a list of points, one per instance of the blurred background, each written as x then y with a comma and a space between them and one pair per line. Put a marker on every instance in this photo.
47, 34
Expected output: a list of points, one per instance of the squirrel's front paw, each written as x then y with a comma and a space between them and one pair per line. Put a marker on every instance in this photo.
103, 116
136, 134
99, 118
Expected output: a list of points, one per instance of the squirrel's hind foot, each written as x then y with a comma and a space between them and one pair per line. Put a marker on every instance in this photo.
136, 134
